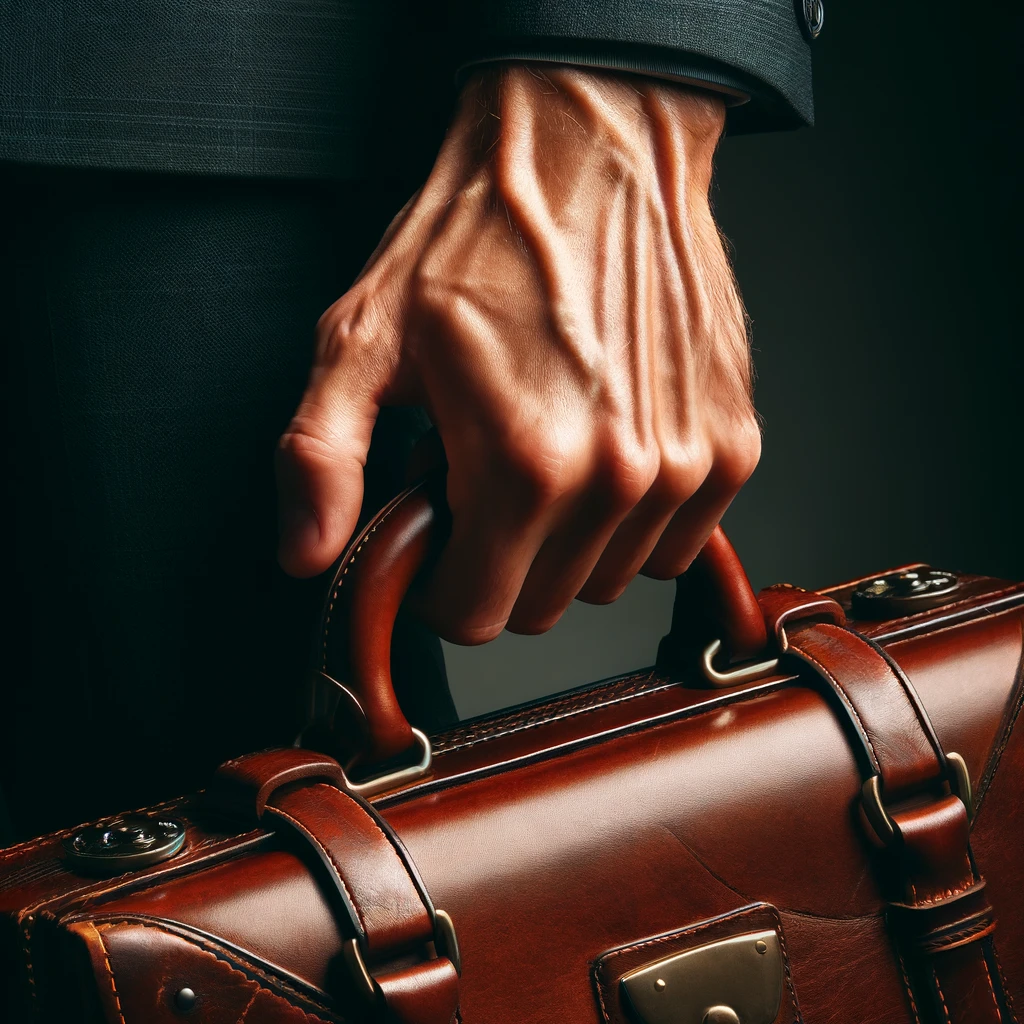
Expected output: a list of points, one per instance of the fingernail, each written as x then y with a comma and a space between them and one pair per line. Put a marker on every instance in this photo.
299, 529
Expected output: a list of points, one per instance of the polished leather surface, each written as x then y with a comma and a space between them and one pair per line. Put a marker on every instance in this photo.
555, 835
879, 703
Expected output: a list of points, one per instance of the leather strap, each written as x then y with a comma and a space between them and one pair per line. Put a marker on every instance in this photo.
944, 924
388, 911
938, 911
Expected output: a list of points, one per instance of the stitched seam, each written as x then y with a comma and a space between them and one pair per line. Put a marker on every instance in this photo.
844, 697
1002, 978
991, 986
996, 757
789, 977
938, 944
26, 936
600, 996
508, 726
329, 856
946, 894
910, 991
110, 974
206, 949
942, 997
9, 852
88, 897
979, 600
336, 589
248, 1005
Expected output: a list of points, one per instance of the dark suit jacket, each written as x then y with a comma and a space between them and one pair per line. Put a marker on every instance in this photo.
345, 88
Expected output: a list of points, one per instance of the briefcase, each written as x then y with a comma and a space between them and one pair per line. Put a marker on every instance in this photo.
809, 810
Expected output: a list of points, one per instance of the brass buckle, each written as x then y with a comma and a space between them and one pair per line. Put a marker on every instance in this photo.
446, 943
734, 676
371, 787
884, 828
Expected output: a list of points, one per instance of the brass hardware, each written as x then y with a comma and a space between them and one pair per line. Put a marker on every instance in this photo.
365, 985
126, 844
725, 982
878, 817
960, 781
734, 676
445, 942
903, 593
382, 782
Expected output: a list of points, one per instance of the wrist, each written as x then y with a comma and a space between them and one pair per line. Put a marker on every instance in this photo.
638, 120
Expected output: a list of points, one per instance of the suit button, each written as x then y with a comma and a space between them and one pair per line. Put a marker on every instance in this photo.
814, 17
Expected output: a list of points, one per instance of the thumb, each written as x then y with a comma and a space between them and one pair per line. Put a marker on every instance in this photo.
319, 466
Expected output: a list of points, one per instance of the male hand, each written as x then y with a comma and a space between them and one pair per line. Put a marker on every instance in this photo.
558, 298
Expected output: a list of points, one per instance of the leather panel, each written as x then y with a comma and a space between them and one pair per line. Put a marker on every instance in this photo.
140, 968
997, 840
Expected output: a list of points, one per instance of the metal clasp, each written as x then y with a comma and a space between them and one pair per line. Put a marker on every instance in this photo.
370, 787
734, 676
884, 828
446, 943
738, 980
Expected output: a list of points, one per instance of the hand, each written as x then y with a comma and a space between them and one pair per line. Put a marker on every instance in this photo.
558, 298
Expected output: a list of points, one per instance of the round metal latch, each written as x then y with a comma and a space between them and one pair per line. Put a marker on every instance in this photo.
903, 593
124, 845
813, 17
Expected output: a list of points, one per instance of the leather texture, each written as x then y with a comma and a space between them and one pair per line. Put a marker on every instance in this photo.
562, 837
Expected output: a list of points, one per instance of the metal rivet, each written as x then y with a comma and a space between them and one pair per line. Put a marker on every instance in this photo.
761, 946
184, 1000
660, 984
721, 1015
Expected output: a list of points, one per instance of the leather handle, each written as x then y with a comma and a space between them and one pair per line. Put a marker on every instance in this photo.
356, 703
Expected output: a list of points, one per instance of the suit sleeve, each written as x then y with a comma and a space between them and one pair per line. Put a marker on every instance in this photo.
756, 52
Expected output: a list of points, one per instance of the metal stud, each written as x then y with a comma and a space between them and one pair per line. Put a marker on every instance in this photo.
184, 999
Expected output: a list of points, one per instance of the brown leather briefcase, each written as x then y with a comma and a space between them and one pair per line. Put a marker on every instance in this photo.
809, 811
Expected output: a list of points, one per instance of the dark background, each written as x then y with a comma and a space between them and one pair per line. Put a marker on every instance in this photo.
878, 258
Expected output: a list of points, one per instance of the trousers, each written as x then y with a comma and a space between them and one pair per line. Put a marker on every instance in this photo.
158, 334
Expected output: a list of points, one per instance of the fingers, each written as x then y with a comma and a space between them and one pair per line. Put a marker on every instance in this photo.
504, 504
525, 542
666, 530
568, 556
320, 457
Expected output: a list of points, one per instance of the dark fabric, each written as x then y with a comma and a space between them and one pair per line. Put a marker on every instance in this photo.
158, 332
342, 88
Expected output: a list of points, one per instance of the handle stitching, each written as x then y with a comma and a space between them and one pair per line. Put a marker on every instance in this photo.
336, 589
